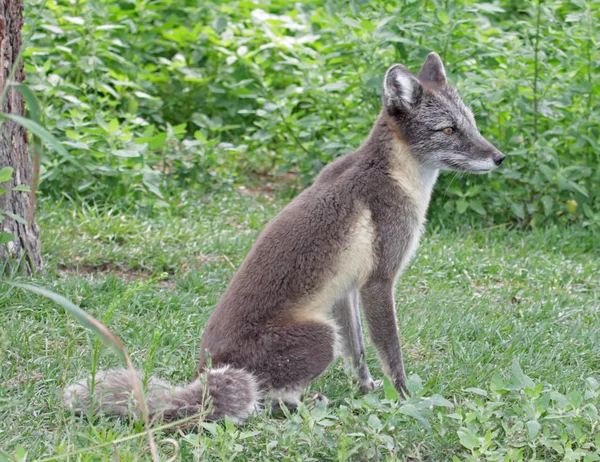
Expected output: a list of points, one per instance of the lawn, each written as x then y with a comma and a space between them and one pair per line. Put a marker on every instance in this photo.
500, 329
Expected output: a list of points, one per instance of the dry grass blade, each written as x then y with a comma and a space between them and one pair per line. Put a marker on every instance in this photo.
107, 337
176, 448
170, 441
116, 452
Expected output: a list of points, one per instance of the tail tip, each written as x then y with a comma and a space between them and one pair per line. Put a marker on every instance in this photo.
234, 392
74, 395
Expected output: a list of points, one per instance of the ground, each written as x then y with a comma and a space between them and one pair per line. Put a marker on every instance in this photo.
500, 330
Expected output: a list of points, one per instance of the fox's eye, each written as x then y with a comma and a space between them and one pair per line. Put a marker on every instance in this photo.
448, 130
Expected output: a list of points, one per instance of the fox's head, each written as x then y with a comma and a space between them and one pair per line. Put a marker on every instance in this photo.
431, 118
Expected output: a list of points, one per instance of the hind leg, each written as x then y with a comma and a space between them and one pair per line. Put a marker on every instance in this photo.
295, 353
347, 317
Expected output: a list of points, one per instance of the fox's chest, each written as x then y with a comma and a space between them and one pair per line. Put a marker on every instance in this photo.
398, 243
400, 223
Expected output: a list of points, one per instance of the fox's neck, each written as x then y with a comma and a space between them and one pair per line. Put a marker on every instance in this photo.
416, 179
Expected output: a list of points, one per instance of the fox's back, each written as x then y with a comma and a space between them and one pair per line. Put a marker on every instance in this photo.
295, 247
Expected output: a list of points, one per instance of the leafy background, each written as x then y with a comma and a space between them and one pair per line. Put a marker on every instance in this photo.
149, 96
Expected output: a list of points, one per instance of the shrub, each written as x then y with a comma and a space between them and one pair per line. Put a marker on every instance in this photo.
150, 95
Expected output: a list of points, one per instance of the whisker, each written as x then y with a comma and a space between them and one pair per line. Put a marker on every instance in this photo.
456, 173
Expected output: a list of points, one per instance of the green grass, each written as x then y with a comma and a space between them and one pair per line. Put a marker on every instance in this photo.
473, 305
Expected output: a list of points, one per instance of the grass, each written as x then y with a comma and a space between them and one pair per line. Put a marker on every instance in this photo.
504, 325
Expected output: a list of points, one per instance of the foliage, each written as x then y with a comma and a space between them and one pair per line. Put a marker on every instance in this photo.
520, 420
148, 95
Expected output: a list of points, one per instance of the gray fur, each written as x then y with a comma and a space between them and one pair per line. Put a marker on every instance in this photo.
433, 72
213, 395
347, 316
352, 232
255, 325
440, 106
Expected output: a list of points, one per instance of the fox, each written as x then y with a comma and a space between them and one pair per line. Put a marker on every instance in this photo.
332, 253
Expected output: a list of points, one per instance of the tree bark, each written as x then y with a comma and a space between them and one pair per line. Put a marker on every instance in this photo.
25, 248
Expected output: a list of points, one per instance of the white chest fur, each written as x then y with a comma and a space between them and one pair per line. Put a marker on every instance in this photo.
417, 182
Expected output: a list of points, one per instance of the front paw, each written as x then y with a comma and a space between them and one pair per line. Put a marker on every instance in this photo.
314, 398
402, 388
370, 385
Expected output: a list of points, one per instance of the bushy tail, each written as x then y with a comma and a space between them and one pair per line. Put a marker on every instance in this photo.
217, 393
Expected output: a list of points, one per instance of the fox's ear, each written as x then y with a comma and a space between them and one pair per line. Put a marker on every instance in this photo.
402, 91
433, 70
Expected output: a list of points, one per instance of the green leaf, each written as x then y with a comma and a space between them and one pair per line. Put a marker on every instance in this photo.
497, 384
438, 400
560, 399
575, 398
179, 129
548, 203
20, 454
44, 135
414, 384
6, 174
210, 426
54, 29
351, 22
478, 207
133, 150
533, 428
17, 218
410, 410
30, 98
587, 210
443, 17
5, 237
156, 141
547, 172
389, 390
367, 26
152, 182
487, 8
592, 383
477, 391
467, 438
461, 206
74, 20
21, 188
334, 86
576, 188
517, 209
374, 422
113, 126
521, 379
220, 24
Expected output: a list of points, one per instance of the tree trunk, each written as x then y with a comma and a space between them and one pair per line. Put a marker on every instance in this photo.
25, 247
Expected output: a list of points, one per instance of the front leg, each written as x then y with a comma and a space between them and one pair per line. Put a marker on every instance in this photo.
380, 313
347, 316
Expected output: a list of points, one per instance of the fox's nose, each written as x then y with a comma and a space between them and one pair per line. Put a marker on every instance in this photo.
498, 159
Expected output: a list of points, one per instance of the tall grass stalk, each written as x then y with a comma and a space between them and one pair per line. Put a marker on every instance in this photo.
109, 338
